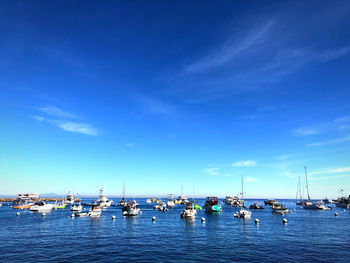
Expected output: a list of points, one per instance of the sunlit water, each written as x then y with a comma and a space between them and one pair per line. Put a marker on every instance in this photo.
309, 236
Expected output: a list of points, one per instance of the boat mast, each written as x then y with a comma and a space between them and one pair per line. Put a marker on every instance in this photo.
307, 186
123, 191
242, 185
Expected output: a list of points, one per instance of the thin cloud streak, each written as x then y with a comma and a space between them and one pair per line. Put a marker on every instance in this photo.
329, 142
54, 111
211, 171
304, 132
231, 49
246, 163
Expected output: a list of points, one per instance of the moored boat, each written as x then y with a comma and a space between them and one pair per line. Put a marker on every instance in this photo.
103, 200
69, 198
212, 205
270, 202
279, 208
95, 210
243, 213
41, 206
309, 204
256, 206
189, 211
77, 207
61, 205
131, 209
170, 202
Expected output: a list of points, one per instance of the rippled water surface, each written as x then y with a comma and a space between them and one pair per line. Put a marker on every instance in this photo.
308, 236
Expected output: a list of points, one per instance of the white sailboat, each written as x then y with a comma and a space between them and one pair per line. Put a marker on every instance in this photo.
312, 205
243, 213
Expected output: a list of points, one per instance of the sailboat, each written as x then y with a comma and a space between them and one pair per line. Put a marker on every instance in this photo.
122, 202
243, 213
312, 205
298, 201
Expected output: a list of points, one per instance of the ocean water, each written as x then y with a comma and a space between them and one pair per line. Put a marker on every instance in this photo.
309, 236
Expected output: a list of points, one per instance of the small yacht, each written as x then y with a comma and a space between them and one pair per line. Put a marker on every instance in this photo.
41, 206
131, 209
103, 200
170, 202
161, 206
77, 207
23, 204
148, 201
61, 205
343, 202
212, 205
256, 206
279, 208
243, 213
270, 202
189, 211
234, 201
70, 198
95, 210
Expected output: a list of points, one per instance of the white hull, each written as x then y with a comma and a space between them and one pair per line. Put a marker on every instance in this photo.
94, 213
132, 212
245, 214
76, 209
44, 208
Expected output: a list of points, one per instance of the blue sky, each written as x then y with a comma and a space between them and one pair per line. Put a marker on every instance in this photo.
161, 94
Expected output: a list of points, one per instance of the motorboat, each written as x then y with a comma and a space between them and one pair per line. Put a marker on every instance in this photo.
234, 201
76, 208
243, 213
69, 198
256, 206
95, 210
41, 206
343, 202
279, 208
131, 209
24, 204
189, 211
61, 205
161, 206
103, 200
182, 199
212, 205
170, 202
148, 201
270, 202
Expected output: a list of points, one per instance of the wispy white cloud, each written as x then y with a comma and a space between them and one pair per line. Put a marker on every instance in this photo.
39, 118
76, 127
130, 144
233, 47
329, 142
67, 125
328, 177
285, 156
250, 179
342, 119
304, 131
331, 171
245, 163
212, 171
54, 111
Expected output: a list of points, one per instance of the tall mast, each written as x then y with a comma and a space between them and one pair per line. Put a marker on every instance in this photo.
242, 185
123, 191
307, 186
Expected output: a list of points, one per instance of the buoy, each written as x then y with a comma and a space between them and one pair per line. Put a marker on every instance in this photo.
256, 221
203, 219
113, 217
154, 218
43, 214
336, 214
284, 221
72, 215
17, 214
